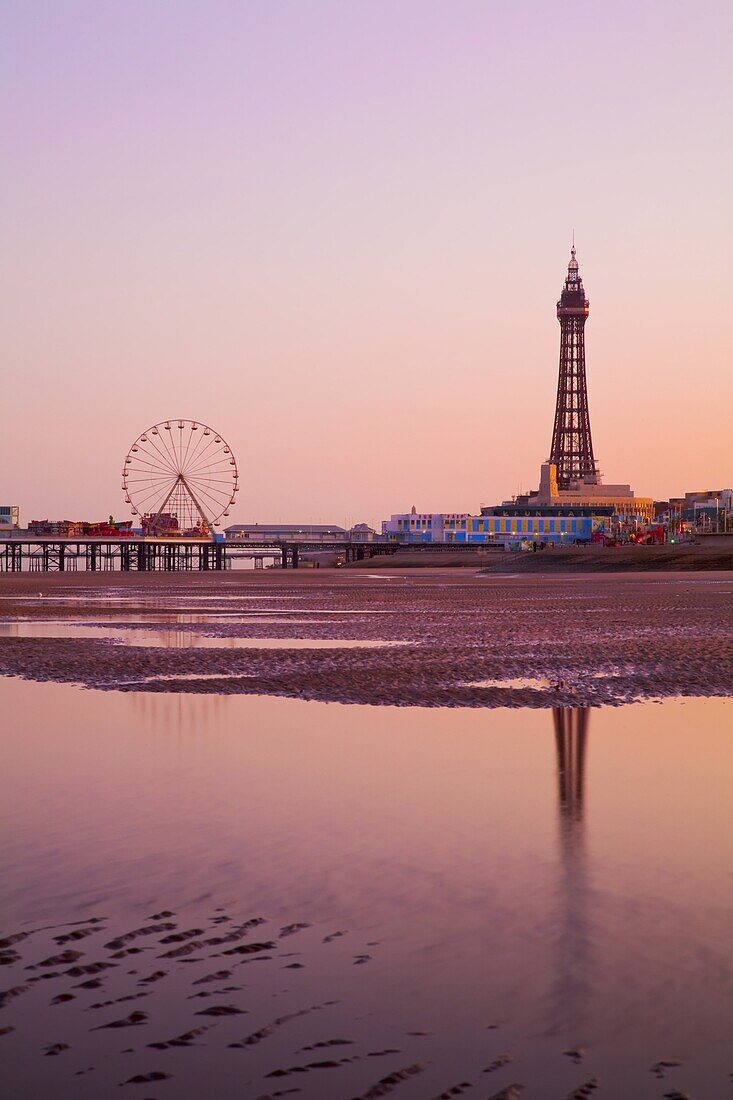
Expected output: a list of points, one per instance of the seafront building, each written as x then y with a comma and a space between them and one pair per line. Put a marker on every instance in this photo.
261, 532
585, 494
702, 511
503, 524
9, 518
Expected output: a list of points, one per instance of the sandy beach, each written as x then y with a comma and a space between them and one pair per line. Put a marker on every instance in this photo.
392, 637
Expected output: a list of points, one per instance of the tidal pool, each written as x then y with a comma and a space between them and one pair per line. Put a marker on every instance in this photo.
176, 636
447, 896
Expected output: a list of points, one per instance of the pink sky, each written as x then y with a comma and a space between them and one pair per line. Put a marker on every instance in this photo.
336, 231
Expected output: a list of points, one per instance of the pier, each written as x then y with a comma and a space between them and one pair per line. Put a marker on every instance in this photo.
51, 554
37, 553
59, 555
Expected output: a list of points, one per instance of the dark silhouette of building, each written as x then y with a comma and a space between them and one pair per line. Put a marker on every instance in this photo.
572, 446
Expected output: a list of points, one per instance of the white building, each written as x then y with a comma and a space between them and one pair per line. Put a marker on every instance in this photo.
417, 526
281, 532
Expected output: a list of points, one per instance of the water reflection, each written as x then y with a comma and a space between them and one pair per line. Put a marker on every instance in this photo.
570, 994
571, 734
174, 637
495, 866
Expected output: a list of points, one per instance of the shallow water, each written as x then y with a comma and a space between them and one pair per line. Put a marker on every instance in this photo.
176, 637
516, 682
565, 876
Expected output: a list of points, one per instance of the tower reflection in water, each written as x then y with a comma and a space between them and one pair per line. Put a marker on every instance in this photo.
573, 946
571, 733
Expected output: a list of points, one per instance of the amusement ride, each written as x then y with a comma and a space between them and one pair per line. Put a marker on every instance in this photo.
180, 477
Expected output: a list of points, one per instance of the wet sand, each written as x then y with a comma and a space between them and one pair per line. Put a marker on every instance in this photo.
139, 1005
219, 1004
450, 638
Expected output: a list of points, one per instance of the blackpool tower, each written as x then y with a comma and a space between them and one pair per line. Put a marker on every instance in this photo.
572, 446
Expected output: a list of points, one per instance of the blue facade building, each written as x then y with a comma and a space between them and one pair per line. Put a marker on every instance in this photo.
501, 524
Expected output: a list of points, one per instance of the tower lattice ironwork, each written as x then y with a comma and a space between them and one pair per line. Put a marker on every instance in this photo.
572, 446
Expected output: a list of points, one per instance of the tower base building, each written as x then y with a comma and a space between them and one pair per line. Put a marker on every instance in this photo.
587, 494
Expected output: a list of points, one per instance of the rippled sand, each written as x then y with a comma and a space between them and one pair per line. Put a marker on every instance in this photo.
125, 1006
234, 1006
465, 639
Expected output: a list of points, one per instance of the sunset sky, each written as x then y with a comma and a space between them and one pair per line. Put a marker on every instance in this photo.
336, 231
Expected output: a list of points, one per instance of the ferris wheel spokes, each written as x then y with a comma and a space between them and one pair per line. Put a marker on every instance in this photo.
181, 477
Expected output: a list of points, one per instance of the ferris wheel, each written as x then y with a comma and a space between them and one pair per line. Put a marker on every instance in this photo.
180, 477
